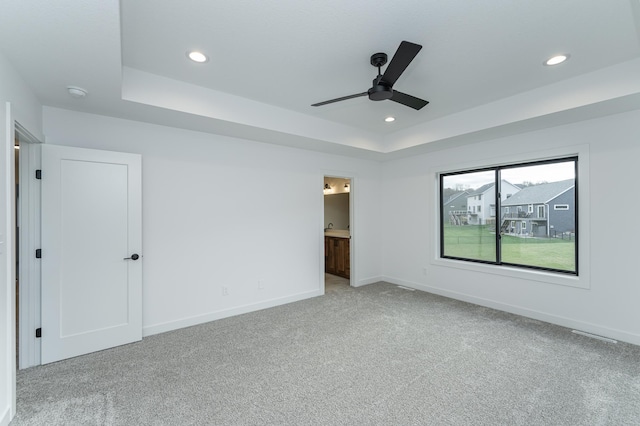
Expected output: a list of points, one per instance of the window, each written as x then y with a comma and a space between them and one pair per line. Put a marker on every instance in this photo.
479, 209
547, 243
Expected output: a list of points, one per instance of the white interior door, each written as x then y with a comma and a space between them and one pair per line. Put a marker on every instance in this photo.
91, 224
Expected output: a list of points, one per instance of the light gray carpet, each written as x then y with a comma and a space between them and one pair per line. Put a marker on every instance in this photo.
376, 355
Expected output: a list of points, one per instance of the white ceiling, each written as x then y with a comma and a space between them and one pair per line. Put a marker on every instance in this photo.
270, 60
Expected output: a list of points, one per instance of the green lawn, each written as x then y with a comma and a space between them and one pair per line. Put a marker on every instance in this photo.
478, 242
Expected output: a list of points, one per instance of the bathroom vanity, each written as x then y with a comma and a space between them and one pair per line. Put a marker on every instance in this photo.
336, 252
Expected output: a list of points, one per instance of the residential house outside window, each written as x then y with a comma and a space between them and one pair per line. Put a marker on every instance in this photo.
521, 231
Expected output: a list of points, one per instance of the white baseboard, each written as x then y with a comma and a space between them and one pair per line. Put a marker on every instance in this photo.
525, 312
225, 313
367, 281
5, 418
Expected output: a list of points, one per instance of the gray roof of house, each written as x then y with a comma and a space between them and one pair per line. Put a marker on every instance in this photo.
481, 190
539, 194
456, 195
484, 188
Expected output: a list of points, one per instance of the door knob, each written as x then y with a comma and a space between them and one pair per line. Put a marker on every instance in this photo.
134, 256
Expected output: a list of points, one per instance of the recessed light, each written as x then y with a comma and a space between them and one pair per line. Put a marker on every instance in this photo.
390, 119
557, 59
196, 56
76, 92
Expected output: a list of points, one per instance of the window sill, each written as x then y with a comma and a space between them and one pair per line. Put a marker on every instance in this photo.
581, 281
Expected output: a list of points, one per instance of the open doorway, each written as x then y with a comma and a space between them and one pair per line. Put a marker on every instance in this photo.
27, 209
337, 232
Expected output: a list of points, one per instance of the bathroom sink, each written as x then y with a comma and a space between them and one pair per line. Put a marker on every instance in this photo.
340, 233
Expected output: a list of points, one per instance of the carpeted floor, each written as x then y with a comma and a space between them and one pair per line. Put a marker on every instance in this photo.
375, 355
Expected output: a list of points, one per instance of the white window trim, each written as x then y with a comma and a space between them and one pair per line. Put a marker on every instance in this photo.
583, 281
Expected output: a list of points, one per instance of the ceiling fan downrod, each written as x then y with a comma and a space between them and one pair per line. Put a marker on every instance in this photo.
379, 91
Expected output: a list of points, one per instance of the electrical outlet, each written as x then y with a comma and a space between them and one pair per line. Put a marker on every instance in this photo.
260, 284
225, 291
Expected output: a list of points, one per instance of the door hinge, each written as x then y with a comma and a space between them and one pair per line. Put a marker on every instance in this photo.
38, 332
38, 253
38, 174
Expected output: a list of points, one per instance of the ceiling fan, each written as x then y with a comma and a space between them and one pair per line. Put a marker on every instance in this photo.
383, 84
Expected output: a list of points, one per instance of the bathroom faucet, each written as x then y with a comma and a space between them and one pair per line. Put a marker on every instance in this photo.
330, 225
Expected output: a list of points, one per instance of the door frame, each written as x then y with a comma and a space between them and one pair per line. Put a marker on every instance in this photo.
352, 227
29, 241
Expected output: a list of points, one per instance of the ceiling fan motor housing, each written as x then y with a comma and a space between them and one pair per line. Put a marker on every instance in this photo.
380, 91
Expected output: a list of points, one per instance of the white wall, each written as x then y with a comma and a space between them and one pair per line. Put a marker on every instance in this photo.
605, 297
219, 211
336, 210
24, 108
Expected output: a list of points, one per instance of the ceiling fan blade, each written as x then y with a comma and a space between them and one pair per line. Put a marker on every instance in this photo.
344, 98
408, 100
400, 61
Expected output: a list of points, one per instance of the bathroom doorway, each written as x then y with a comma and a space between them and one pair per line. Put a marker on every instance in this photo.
338, 201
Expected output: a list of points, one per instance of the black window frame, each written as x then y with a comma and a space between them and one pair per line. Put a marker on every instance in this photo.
497, 182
